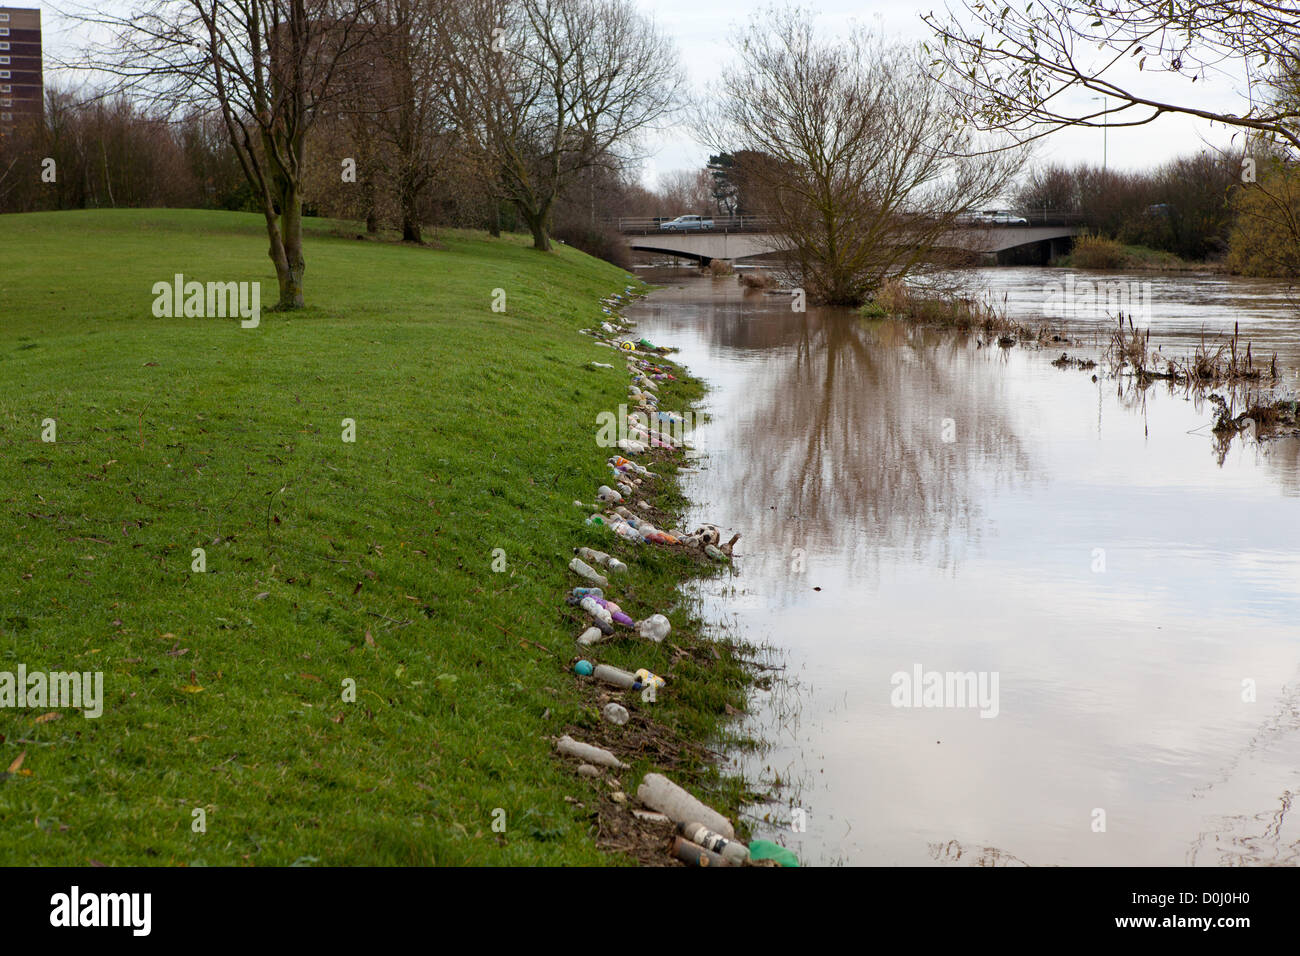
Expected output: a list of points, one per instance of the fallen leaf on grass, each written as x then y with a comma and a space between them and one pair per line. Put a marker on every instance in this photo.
191, 689
18, 762
46, 718
305, 676
370, 640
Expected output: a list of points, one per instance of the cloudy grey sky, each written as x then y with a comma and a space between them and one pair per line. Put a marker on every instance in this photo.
703, 34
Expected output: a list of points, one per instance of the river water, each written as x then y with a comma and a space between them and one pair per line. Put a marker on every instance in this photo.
914, 502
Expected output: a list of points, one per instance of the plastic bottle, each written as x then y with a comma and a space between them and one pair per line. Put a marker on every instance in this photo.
593, 607
659, 793
581, 593
586, 752
591, 635
615, 713
606, 493
646, 679
627, 532
692, 854
612, 675
655, 628
600, 557
735, 853
583, 569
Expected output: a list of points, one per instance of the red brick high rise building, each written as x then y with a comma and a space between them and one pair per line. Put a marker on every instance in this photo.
22, 83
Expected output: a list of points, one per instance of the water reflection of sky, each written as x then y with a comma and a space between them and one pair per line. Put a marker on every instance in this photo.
1118, 690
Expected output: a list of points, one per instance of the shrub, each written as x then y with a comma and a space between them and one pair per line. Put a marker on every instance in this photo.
1266, 238
1096, 252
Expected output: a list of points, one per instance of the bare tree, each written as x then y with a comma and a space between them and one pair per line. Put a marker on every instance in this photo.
687, 191
1028, 70
548, 88
267, 67
865, 167
1022, 62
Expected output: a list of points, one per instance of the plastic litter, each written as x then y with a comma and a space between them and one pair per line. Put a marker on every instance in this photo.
600, 557
612, 675
587, 770
606, 493
735, 853
659, 793
693, 854
628, 532
615, 714
593, 607
586, 752
767, 850
592, 635
656, 627
583, 569
583, 667
646, 679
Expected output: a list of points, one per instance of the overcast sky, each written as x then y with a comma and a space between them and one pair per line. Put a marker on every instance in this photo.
703, 33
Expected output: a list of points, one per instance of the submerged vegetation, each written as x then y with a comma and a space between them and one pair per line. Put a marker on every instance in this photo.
1222, 361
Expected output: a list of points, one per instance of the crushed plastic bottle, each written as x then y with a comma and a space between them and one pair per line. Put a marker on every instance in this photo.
606, 493
592, 635
593, 607
646, 679
655, 628
628, 532
583, 569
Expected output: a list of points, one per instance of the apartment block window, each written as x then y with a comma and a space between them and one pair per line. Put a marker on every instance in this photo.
6, 117
4, 75
6, 88
6, 102
4, 60
4, 31
4, 46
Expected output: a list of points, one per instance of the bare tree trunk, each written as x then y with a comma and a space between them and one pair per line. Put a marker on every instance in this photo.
368, 198
541, 237
286, 249
410, 224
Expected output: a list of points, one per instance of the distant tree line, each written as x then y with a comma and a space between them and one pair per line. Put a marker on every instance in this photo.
500, 114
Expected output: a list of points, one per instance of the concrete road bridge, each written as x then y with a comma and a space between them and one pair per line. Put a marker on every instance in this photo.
738, 238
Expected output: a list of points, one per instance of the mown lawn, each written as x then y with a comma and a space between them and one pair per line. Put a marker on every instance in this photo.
326, 561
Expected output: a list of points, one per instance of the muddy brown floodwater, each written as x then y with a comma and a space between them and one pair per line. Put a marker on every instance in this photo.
912, 503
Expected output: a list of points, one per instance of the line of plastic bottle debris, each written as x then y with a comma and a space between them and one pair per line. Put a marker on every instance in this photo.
706, 837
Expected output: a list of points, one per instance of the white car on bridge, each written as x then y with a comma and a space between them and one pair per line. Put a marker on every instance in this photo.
687, 222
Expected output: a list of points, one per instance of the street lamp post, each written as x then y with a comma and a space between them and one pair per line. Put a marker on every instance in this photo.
1105, 129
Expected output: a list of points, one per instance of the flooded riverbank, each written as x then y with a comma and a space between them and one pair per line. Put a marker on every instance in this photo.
912, 501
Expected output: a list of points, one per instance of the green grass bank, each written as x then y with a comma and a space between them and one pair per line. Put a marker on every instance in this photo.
327, 561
